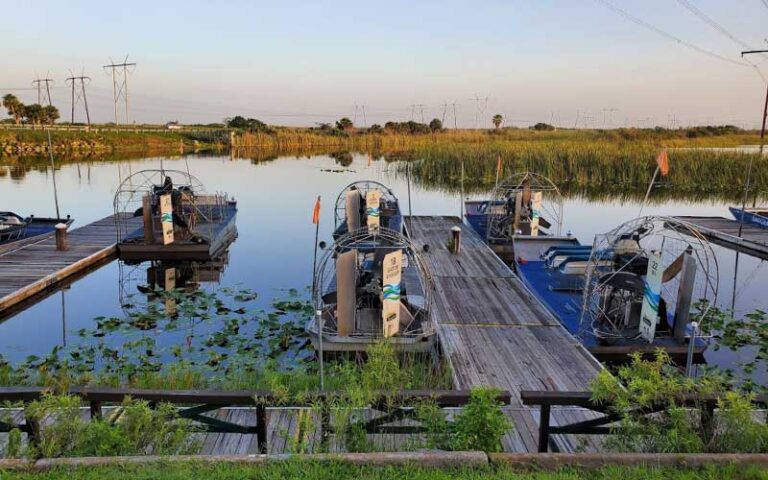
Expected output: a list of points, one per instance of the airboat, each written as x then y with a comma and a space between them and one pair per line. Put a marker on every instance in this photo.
598, 290
365, 203
14, 228
372, 284
523, 204
167, 215
753, 216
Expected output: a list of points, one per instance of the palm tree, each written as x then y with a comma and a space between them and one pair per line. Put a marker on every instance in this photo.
50, 114
497, 120
14, 106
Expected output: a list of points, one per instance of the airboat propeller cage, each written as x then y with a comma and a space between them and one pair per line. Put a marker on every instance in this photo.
397, 254
643, 270
526, 190
195, 206
350, 199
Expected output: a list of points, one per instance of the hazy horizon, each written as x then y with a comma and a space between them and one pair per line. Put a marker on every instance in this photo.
573, 63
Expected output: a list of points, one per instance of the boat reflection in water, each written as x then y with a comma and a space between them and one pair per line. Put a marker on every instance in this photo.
153, 280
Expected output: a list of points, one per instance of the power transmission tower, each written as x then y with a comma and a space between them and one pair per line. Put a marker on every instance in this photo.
120, 84
43, 93
478, 110
365, 120
608, 116
445, 107
78, 94
455, 121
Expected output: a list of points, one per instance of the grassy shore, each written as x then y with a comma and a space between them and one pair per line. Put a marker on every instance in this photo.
597, 164
312, 470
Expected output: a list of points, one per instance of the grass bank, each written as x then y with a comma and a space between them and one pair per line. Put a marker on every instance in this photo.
103, 140
313, 470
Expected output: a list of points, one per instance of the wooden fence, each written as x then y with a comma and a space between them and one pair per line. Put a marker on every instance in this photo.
601, 425
198, 402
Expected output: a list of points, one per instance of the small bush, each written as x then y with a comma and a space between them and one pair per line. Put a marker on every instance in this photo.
648, 397
133, 428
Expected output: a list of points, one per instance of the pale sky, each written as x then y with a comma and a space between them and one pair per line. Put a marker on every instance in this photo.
301, 62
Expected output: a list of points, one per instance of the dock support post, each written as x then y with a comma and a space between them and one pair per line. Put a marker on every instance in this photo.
456, 232
684, 297
544, 428
149, 226
61, 237
261, 427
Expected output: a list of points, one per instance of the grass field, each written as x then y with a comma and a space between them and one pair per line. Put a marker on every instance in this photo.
308, 470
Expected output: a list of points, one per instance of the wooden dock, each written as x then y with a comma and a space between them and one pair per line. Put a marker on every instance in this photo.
31, 268
494, 332
725, 232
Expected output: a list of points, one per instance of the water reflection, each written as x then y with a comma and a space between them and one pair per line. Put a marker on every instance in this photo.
273, 253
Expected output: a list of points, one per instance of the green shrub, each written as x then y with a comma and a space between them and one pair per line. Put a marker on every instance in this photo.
648, 397
133, 428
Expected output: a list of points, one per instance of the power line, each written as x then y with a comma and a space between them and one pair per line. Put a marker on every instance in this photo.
722, 30
120, 85
667, 35
693, 9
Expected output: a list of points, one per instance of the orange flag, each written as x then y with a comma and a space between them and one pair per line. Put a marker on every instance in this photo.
316, 212
663, 162
498, 166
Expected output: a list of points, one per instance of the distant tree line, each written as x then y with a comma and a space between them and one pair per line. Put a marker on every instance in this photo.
248, 124
34, 114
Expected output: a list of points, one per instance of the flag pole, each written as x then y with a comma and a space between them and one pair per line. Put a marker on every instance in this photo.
498, 170
648, 192
53, 174
318, 313
461, 198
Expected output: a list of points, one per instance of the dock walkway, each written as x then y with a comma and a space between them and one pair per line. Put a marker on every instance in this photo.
494, 332
724, 232
32, 267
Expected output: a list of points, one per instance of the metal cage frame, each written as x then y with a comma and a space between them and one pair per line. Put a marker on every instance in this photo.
362, 238
552, 204
340, 208
657, 229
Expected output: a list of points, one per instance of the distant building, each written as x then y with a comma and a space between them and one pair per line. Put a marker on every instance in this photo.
173, 125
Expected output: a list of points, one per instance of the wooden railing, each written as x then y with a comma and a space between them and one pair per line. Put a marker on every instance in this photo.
545, 400
199, 402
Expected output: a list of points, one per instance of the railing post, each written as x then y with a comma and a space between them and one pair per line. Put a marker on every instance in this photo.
544, 428
261, 427
95, 410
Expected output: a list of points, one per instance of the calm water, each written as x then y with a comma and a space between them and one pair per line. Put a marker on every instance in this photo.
274, 250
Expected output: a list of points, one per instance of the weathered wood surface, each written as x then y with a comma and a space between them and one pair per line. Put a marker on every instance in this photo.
30, 268
724, 232
495, 332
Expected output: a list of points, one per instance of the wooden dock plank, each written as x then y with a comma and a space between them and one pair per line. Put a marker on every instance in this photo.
495, 332
29, 268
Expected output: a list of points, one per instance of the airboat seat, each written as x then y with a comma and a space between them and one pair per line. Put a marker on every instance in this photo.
413, 289
565, 250
562, 262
